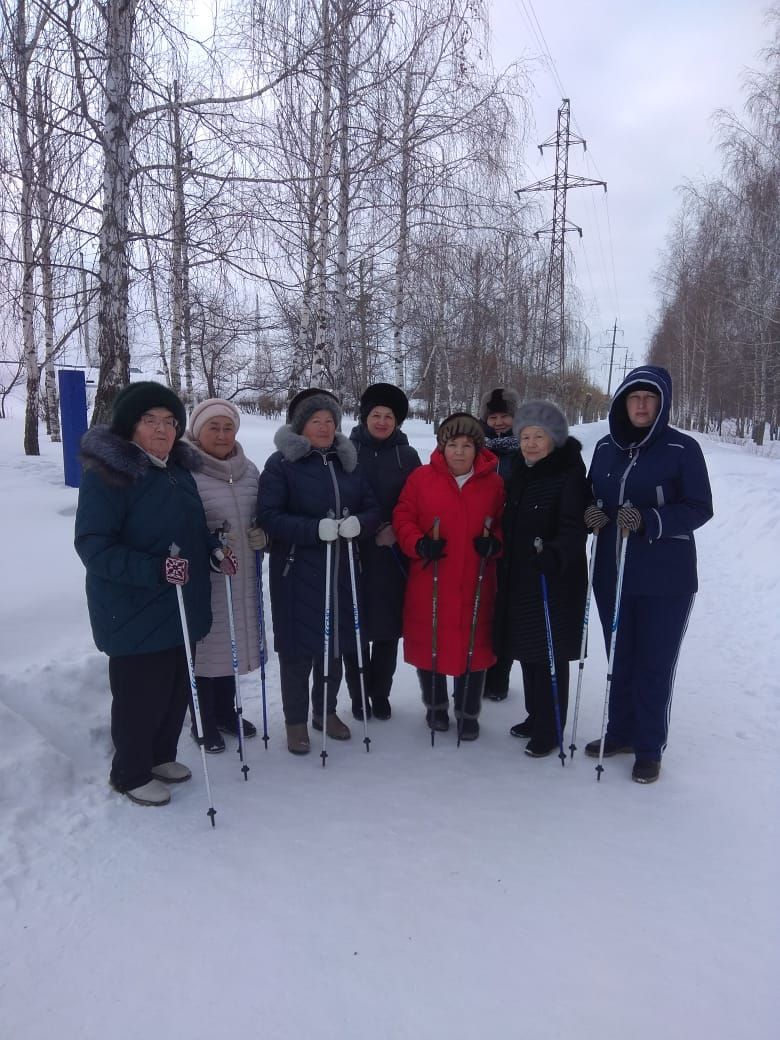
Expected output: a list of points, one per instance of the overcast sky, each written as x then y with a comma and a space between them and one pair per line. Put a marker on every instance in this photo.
643, 80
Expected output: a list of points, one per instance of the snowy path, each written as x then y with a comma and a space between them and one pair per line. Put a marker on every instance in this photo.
409, 893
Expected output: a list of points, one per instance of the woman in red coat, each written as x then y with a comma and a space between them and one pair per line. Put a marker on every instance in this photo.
462, 489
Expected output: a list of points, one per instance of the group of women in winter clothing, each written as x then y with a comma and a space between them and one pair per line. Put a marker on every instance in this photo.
465, 557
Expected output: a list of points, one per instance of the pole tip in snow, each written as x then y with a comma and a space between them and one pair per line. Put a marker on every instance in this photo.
245, 771
599, 771
572, 749
562, 756
367, 742
323, 756
265, 741
211, 813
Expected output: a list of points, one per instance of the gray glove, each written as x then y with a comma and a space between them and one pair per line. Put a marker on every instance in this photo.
349, 527
328, 529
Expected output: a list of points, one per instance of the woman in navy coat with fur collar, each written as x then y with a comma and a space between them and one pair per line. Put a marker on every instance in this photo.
651, 481
304, 491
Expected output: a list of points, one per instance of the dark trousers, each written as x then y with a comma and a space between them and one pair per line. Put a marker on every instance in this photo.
537, 687
466, 694
216, 700
150, 693
497, 680
649, 636
294, 673
379, 663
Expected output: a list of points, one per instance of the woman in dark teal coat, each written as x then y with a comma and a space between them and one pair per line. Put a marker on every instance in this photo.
137, 497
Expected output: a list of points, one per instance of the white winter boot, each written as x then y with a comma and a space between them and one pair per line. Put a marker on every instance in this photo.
171, 772
153, 793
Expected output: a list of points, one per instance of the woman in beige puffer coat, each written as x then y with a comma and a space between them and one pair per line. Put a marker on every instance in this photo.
227, 483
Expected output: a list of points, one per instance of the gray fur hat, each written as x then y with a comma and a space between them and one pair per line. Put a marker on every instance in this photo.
307, 402
545, 415
501, 399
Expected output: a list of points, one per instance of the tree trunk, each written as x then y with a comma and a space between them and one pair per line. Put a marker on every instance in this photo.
113, 339
319, 375
42, 119
23, 56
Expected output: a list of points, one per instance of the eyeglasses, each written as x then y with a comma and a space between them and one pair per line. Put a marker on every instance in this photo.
156, 421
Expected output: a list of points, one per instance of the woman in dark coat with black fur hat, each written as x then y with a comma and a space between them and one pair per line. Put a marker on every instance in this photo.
387, 458
546, 496
311, 493
138, 496
496, 413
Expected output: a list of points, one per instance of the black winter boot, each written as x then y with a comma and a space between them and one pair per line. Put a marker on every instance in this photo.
435, 699
213, 742
468, 703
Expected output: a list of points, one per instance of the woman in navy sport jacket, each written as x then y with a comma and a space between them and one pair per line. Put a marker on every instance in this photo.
649, 481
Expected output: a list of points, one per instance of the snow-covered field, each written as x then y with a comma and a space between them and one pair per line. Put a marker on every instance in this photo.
410, 892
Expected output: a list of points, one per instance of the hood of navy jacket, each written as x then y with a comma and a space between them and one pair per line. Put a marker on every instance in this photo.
623, 433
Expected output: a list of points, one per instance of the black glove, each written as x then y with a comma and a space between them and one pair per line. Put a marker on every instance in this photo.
487, 545
595, 518
430, 548
630, 519
546, 561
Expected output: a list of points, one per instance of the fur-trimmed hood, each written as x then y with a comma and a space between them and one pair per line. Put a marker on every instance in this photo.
121, 462
294, 447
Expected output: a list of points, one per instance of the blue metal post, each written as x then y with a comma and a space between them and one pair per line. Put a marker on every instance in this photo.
73, 417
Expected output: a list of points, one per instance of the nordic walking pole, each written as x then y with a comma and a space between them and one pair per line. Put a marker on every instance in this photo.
584, 640
539, 545
612, 642
326, 653
356, 617
261, 638
211, 812
473, 633
239, 708
434, 637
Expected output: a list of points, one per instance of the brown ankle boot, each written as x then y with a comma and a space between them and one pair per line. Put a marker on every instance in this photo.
298, 739
334, 727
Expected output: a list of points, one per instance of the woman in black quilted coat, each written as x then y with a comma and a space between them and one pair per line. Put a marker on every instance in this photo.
545, 499
387, 458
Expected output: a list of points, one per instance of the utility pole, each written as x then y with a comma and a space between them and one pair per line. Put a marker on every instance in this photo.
551, 355
615, 331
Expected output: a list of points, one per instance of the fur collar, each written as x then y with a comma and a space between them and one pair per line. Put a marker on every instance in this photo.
295, 447
121, 462
229, 469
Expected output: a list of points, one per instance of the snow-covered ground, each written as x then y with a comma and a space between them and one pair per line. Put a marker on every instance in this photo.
411, 892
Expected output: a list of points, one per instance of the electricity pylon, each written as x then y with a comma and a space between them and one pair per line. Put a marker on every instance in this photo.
550, 357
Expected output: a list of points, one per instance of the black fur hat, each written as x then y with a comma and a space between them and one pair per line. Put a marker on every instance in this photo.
384, 395
460, 424
502, 399
307, 402
132, 401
